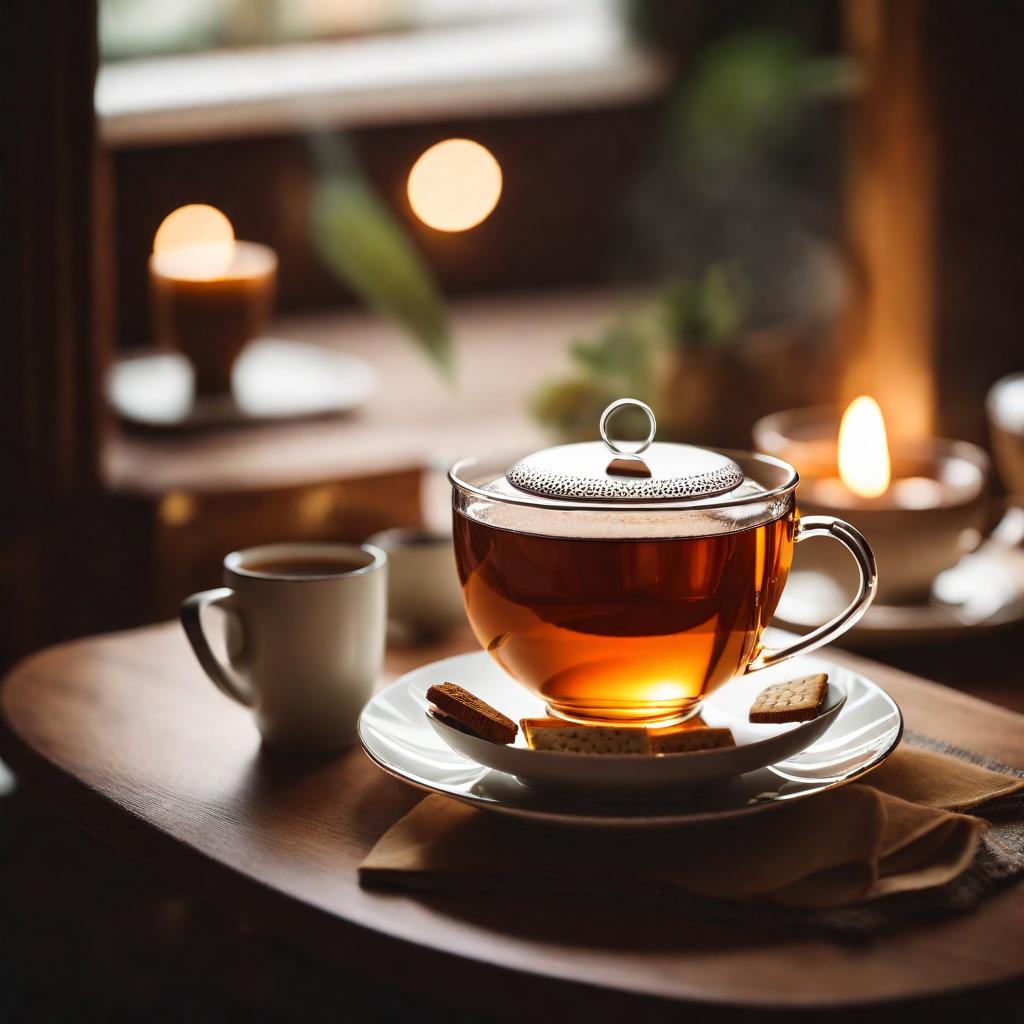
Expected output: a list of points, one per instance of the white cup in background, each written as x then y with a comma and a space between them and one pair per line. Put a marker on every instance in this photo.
305, 629
1005, 407
424, 593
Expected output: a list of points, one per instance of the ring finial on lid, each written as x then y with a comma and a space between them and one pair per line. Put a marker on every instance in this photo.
615, 447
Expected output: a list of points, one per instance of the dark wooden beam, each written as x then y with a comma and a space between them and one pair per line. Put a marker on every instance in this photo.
51, 295
935, 208
889, 334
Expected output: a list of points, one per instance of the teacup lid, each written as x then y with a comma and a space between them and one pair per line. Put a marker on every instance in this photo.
610, 470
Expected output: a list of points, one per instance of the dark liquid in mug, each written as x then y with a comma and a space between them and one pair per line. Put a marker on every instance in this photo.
305, 567
630, 629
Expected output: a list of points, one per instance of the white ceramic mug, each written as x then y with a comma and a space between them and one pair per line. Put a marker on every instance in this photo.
304, 629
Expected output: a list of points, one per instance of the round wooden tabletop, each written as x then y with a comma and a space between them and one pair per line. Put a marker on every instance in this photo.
123, 734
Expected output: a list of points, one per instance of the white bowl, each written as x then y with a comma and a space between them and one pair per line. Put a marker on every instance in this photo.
756, 745
635, 772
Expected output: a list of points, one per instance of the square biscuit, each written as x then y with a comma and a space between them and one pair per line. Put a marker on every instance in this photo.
688, 738
798, 700
553, 734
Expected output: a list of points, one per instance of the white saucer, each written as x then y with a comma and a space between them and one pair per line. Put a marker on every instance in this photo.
272, 379
984, 591
397, 734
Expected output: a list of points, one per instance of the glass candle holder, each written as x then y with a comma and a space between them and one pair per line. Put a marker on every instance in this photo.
934, 511
210, 318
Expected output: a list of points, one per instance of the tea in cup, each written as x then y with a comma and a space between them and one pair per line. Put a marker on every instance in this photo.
625, 583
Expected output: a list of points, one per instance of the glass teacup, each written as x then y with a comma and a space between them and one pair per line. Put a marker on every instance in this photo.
624, 585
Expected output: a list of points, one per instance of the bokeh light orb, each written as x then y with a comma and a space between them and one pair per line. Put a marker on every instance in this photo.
454, 185
195, 241
195, 224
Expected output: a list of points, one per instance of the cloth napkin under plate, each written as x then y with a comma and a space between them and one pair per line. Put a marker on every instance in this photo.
900, 831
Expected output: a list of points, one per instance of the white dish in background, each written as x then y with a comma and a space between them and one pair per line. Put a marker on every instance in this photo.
398, 735
273, 379
984, 591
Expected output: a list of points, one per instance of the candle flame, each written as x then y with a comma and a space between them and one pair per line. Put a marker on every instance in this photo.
864, 465
454, 185
195, 241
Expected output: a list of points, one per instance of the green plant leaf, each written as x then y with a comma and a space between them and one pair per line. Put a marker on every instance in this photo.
707, 311
570, 407
619, 349
746, 92
365, 246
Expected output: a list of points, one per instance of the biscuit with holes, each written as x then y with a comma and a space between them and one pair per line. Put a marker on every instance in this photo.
799, 700
554, 734
687, 739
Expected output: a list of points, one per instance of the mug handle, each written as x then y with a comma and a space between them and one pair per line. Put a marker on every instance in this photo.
220, 675
853, 540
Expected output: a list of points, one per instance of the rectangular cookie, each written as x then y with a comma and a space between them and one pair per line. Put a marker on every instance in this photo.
683, 739
567, 738
798, 700
477, 715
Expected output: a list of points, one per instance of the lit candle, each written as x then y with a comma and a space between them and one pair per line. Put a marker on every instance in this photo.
211, 293
922, 506
864, 463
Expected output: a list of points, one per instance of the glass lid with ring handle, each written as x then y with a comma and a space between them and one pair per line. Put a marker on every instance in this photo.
622, 471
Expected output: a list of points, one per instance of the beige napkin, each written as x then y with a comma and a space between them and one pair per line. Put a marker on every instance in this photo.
898, 831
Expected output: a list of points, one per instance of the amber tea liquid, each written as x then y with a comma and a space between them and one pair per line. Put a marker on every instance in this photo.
622, 629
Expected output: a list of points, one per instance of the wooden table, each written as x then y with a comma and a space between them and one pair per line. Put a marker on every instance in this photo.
124, 735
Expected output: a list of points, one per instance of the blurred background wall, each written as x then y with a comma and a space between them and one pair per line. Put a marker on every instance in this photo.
728, 207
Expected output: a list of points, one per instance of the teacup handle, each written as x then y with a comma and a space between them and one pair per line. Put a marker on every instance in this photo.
220, 675
853, 540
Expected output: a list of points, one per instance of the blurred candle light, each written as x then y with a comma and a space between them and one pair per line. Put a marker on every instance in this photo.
454, 185
864, 464
177, 508
196, 242
920, 504
211, 293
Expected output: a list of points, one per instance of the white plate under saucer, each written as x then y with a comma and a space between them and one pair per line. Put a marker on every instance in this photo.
397, 734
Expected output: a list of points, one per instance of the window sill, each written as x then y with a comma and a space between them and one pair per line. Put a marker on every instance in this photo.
581, 59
